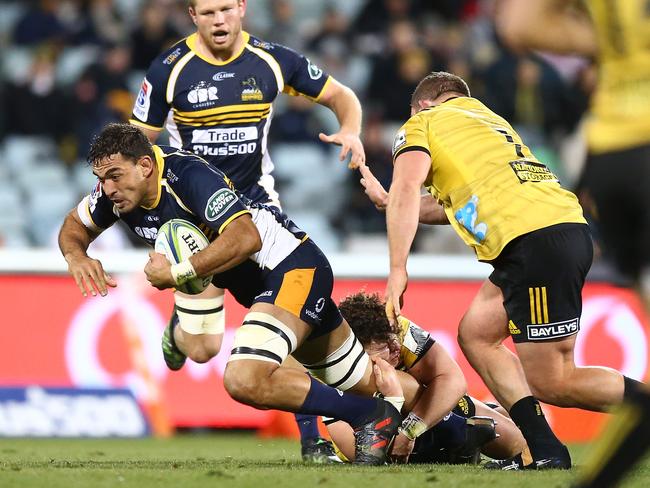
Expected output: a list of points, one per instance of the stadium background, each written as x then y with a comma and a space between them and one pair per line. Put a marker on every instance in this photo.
68, 67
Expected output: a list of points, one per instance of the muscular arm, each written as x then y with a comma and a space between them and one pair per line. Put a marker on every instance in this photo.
444, 381
151, 134
239, 240
88, 273
402, 214
559, 26
346, 106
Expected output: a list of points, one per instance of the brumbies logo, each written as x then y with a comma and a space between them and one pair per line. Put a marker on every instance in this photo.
251, 91
219, 203
555, 330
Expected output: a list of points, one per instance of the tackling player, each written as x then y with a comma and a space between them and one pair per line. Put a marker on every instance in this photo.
213, 91
430, 433
267, 263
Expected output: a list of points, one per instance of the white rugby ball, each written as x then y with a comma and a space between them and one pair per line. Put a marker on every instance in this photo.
179, 239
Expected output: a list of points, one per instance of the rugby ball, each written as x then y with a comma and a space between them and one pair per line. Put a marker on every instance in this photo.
179, 239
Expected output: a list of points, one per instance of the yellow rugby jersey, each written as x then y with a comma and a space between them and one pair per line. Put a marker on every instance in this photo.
620, 107
414, 341
491, 186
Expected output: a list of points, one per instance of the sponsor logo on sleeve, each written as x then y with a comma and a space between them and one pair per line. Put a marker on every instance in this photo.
143, 102
172, 56
399, 141
314, 71
542, 332
219, 203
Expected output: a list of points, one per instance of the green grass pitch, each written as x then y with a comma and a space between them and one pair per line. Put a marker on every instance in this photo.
233, 459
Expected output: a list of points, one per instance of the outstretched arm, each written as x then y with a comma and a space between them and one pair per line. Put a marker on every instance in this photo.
431, 212
88, 273
346, 106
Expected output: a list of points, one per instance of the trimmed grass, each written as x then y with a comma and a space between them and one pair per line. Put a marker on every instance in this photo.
241, 460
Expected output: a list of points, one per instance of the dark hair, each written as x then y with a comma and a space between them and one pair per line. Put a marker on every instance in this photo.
366, 316
124, 139
437, 83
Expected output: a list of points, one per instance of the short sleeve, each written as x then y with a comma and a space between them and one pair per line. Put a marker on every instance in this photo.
96, 210
209, 194
151, 107
412, 136
301, 75
415, 341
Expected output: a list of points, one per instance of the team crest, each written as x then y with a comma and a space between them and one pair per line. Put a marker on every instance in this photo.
250, 91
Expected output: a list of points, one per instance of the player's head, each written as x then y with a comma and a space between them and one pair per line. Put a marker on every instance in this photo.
435, 88
123, 159
367, 317
218, 23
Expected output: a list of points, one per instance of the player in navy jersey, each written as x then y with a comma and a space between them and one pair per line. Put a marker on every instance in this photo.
267, 263
213, 92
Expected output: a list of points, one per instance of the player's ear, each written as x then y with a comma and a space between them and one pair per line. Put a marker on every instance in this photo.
147, 165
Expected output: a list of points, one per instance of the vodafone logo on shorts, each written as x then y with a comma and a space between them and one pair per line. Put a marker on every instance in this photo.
612, 334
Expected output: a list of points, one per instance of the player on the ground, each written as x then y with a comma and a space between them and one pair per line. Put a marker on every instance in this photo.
617, 35
213, 91
430, 433
267, 263
510, 208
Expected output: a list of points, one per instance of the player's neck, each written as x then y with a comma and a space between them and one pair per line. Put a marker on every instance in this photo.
220, 55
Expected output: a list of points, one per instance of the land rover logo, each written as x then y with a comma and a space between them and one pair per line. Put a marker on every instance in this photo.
219, 203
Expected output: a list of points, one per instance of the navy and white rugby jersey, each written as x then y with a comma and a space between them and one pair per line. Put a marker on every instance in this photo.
189, 188
221, 111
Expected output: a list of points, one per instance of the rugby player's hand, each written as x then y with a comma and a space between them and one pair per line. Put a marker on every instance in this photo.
89, 275
159, 272
401, 450
394, 295
375, 191
350, 143
386, 379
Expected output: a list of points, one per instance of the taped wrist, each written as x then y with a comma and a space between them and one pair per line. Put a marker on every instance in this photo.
412, 426
183, 272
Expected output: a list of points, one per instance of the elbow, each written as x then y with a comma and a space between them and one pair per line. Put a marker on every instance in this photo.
253, 243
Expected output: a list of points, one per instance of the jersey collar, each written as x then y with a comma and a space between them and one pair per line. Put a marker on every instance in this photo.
160, 162
191, 43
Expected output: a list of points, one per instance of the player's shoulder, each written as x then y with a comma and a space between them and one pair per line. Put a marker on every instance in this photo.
278, 51
166, 60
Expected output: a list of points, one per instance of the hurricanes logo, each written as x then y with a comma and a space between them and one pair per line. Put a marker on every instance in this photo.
467, 216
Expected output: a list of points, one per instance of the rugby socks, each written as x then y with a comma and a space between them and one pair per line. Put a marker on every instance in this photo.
308, 427
527, 414
330, 402
631, 389
450, 431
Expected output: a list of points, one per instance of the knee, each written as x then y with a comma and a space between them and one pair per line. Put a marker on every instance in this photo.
246, 385
203, 350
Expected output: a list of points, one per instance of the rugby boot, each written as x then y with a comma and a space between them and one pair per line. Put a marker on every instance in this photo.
479, 431
373, 438
516, 463
174, 358
319, 451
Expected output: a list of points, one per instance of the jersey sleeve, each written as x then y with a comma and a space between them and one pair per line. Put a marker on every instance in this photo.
151, 107
415, 341
96, 210
412, 136
301, 75
209, 194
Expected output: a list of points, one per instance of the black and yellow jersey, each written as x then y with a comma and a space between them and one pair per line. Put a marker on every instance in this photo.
491, 186
221, 111
620, 107
414, 341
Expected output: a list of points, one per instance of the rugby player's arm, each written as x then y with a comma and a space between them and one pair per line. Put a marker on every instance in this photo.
431, 212
559, 26
151, 134
402, 216
237, 242
444, 381
346, 106
88, 273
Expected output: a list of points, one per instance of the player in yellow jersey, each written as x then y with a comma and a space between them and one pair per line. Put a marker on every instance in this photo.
617, 34
511, 209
